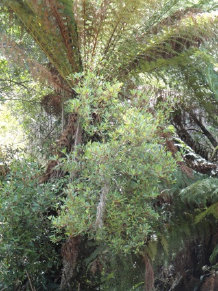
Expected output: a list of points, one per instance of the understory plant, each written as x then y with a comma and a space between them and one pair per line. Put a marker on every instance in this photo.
27, 254
116, 178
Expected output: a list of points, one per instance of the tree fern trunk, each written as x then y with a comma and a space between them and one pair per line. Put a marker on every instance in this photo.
69, 139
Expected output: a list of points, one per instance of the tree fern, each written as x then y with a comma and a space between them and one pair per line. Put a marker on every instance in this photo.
125, 35
118, 39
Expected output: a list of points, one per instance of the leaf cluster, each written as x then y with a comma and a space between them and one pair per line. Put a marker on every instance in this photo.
131, 164
26, 248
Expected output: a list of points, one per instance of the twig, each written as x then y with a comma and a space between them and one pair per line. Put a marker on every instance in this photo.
101, 206
78, 134
31, 286
18, 99
15, 82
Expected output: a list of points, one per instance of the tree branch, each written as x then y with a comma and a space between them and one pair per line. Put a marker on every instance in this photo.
101, 206
205, 131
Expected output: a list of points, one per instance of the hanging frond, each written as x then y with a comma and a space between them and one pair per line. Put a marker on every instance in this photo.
17, 55
169, 43
53, 31
212, 210
202, 193
125, 35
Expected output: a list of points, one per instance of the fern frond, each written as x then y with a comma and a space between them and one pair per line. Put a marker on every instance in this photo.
164, 244
201, 194
42, 25
214, 255
39, 72
152, 249
68, 32
125, 34
212, 210
171, 42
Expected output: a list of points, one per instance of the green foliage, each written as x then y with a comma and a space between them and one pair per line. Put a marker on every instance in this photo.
122, 273
212, 210
22, 115
26, 249
117, 177
201, 193
10, 130
127, 36
96, 104
214, 255
211, 76
127, 169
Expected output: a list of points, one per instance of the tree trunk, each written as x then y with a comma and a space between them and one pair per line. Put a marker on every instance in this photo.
70, 252
204, 130
149, 274
70, 138
187, 138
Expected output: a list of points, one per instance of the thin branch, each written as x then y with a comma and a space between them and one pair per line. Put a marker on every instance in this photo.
15, 82
52, 129
204, 130
31, 286
18, 99
111, 37
101, 206
78, 135
194, 129
84, 29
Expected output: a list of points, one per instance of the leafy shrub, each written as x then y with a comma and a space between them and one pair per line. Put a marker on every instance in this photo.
116, 180
26, 251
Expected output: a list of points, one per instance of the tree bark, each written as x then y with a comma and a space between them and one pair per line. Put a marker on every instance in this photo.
204, 130
70, 252
101, 206
70, 138
149, 274
187, 138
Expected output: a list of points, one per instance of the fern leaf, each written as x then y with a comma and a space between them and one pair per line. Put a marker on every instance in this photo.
212, 210
201, 194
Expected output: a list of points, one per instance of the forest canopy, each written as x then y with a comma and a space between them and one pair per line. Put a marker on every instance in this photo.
109, 148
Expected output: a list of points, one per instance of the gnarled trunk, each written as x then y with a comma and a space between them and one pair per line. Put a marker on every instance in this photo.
70, 252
